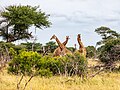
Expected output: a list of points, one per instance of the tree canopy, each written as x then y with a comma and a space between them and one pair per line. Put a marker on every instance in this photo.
109, 50
16, 20
106, 34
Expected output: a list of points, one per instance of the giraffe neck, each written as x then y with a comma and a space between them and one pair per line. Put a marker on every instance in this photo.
80, 43
59, 43
65, 42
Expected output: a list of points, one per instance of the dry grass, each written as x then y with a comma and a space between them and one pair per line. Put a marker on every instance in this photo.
93, 62
105, 81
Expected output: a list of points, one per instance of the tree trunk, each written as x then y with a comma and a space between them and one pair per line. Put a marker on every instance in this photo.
28, 82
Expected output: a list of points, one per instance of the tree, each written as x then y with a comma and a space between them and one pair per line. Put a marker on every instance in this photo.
109, 51
18, 19
28, 46
106, 34
4, 53
50, 46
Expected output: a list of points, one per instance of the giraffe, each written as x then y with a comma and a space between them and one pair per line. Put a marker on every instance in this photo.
65, 42
75, 47
63, 49
57, 51
82, 49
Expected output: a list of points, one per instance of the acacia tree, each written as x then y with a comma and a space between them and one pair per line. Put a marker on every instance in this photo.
16, 20
106, 34
109, 50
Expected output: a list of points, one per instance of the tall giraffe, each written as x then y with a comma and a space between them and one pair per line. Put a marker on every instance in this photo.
57, 51
82, 49
63, 49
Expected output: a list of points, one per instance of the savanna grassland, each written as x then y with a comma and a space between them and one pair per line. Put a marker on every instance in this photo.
103, 81
57, 73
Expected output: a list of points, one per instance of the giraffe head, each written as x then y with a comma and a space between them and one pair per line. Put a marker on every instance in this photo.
53, 37
79, 37
67, 37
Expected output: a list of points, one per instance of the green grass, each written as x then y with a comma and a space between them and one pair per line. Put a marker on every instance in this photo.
104, 81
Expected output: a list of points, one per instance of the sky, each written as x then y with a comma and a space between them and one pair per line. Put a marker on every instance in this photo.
72, 17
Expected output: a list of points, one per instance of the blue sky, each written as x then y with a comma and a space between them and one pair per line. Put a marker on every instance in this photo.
70, 17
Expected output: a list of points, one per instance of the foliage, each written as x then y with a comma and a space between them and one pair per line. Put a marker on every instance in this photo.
74, 65
106, 34
12, 52
36, 46
24, 63
8, 45
109, 51
31, 63
4, 48
72, 49
19, 19
4, 53
81, 62
90, 51
48, 63
17, 48
50, 46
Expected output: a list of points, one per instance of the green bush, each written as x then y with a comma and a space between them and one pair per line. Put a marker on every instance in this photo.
74, 64
50, 63
32, 63
110, 52
45, 72
24, 63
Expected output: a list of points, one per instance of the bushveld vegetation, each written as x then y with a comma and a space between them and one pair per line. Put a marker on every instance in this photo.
32, 65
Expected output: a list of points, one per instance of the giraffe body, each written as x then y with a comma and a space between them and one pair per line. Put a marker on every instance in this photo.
57, 51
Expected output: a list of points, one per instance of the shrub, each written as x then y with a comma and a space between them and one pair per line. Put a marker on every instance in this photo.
110, 52
74, 65
24, 63
32, 63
